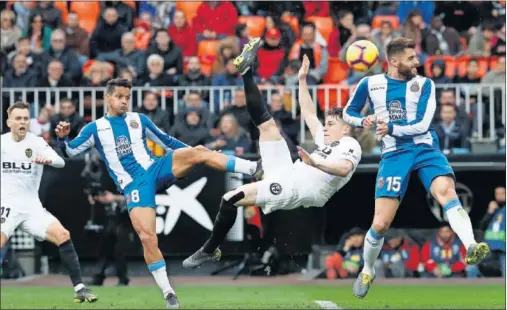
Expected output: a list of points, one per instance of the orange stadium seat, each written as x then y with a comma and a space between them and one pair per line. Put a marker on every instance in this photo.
323, 24
335, 99
189, 8
450, 65
293, 22
493, 62
462, 63
206, 64
208, 48
88, 13
132, 4
62, 6
378, 19
337, 71
255, 25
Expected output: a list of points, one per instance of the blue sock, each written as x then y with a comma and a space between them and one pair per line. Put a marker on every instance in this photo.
231, 163
235, 164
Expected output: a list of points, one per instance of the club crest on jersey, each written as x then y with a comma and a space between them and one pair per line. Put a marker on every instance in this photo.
134, 124
275, 188
123, 147
380, 182
28, 153
415, 87
396, 112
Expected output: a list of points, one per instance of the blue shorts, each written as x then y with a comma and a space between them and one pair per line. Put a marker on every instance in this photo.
142, 190
395, 168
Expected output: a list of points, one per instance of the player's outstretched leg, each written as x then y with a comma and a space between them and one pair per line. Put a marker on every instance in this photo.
143, 221
243, 195
60, 236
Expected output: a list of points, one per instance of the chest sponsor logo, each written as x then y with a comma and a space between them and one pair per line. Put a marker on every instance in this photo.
16, 167
123, 147
396, 111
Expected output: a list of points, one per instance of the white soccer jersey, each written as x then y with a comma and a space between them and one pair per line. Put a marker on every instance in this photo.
407, 107
20, 176
317, 185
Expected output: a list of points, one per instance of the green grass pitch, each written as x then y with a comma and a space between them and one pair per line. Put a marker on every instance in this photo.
264, 297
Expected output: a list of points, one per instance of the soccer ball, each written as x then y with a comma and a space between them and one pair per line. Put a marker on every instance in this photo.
362, 55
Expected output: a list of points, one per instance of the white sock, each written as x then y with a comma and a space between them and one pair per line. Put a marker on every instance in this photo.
373, 243
235, 164
460, 222
78, 287
159, 272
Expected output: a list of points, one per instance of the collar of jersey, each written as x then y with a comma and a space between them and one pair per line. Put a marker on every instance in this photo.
115, 117
394, 80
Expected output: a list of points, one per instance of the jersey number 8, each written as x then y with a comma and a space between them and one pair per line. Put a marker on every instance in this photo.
135, 195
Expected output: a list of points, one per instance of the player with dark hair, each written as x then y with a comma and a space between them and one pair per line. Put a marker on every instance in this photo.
404, 105
23, 157
120, 137
286, 185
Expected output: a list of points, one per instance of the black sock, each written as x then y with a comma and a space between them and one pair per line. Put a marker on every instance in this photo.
71, 262
254, 103
223, 223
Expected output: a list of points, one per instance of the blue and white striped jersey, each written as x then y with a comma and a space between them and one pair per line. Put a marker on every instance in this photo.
407, 107
121, 142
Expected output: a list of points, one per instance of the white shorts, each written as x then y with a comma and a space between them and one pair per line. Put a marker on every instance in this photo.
277, 191
34, 220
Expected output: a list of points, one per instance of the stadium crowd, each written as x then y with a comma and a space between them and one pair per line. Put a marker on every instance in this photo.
166, 44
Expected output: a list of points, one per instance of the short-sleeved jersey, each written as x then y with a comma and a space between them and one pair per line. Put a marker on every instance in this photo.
319, 184
20, 176
121, 142
407, 107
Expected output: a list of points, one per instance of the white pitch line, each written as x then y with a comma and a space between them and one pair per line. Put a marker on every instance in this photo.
326, 304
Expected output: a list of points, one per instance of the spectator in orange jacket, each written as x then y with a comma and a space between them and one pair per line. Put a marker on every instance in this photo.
444, 256
215, 20
399, 257
183, 35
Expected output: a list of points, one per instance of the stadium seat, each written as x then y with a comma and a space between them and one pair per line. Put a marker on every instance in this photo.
255, 25
132, 4
337, 71
462, 63
378, 19
293, 22
335, 99
208, 48
88, 25
62, 6
88, 13
450, 65
323, 24
493, 62
206, 64
189, 8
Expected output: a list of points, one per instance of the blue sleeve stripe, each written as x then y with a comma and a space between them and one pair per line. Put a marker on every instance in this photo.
352, 111
81, 143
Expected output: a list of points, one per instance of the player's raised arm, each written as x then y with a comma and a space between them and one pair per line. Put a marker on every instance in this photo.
425, 111
48, 156
158, 136
352, 111
308, 110
81, 143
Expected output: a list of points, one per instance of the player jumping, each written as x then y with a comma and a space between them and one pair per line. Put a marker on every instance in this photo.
286, 185
23, 157
120, 138
404, 105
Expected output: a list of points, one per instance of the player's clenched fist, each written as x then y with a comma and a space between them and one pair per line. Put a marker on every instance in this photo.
62, 129
305, 66
368, 121
42, 160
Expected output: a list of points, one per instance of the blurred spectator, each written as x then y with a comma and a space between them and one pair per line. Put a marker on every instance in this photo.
383, 36
498, 43
125, 12
147, 19
366, 139
241, 34
238, 109
183, 34
20, 75
52, 16
161, 11
142, 35
227, 49
194, 101
341, 33
194, 77
482, 41
271, 57
167, 49
288, 36
23, 10
290, 75
360, 9
348, 258
281, 8
496, 76
316, 8
215, 20
127, 74
448, 96
55, 79
9, 33
33, 60
96, 76
40, 35
493, 223
316, 53
438, 72
386, 8
441, 40
232, 137
412, 29
76, 38
67, 114
451, 133
106, 36
470, 77
59, 51
288, 124
228, 78
460, 15
156, 76
40, 125
425, 9
127, 57
444, 255
399, 258
152, 109
192, 130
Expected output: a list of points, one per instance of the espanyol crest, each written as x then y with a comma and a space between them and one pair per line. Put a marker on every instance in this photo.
465, 196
